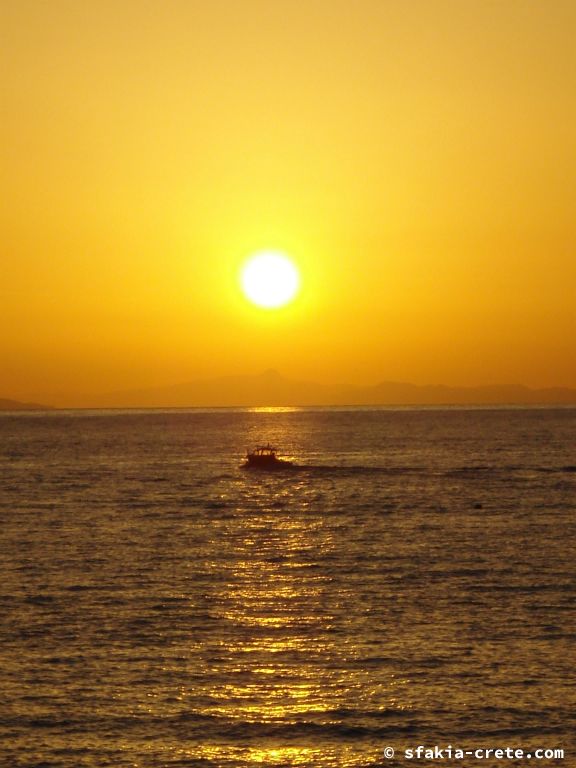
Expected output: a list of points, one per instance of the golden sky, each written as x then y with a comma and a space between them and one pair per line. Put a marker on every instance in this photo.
415, 158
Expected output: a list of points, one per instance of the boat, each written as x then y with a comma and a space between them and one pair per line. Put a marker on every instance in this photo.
264, 457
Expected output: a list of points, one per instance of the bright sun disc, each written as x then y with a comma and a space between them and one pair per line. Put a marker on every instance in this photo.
270, 279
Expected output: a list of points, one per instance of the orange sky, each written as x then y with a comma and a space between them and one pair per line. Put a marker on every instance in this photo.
416, 159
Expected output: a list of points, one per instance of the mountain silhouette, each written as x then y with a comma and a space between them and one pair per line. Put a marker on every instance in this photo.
16, 405
270, 388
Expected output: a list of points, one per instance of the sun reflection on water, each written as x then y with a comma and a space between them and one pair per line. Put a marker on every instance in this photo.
274, 409
286, 756
276, 621
277, 673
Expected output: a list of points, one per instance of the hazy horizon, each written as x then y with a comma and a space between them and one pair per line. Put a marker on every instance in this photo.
271, 388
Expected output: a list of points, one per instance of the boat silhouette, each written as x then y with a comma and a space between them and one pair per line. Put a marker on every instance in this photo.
264, 457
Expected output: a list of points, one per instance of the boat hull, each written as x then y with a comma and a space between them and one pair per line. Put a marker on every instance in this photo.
268, 466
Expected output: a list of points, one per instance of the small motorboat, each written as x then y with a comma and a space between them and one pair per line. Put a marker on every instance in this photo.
264, 457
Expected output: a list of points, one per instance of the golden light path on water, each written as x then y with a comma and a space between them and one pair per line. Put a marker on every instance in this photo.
346, 756
277, 611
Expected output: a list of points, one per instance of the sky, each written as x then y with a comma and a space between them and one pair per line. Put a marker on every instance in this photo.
416, 159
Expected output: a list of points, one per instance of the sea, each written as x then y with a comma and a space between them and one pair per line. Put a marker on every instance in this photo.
410, 584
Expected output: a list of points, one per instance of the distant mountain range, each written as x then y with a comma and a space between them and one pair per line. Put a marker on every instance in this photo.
16, 405
272, 389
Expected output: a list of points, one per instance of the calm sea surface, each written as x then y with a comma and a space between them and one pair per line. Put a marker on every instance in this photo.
413, 583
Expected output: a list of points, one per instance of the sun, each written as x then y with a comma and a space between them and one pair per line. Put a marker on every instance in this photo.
269, 279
